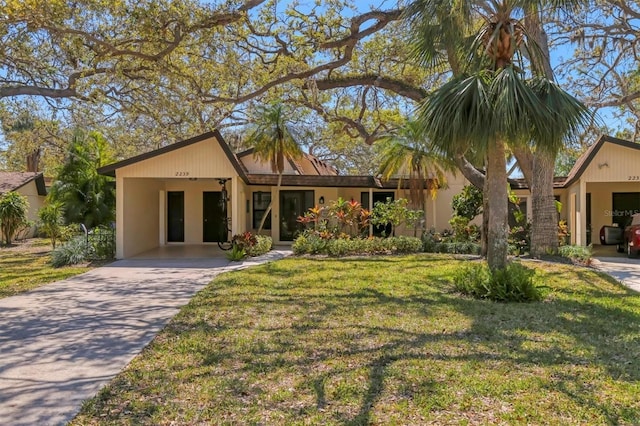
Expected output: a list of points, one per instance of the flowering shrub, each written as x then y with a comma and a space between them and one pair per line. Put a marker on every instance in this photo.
341, 219
250, 244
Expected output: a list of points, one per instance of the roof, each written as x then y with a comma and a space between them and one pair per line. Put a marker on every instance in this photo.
110, 170
12, 181
585, 159
300, 166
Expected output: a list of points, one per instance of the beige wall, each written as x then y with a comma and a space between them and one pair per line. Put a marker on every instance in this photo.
205, 159
30, 191
138, 220
614, 163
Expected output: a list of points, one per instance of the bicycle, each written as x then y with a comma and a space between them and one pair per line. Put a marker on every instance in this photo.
225, 224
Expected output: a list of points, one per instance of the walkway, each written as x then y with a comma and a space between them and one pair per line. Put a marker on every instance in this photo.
61, 343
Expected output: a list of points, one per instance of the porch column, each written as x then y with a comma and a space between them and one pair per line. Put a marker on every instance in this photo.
119, 217
581, 228
162, 208
370, 209
236, 205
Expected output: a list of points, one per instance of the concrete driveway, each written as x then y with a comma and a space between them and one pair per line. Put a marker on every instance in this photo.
61, 343
622, 268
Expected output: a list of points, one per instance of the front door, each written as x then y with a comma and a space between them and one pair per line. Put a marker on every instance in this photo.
213, 229
175, 216
293, 204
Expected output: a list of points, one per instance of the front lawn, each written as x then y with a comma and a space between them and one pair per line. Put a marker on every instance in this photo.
385, 340
25, 266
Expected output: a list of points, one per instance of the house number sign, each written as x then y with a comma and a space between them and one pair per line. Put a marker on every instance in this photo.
182, 174
634, 177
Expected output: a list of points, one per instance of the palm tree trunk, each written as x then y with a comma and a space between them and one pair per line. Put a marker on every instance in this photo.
544, 228
498, 228
268, 211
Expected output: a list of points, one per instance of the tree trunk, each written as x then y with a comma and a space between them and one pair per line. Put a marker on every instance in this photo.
268, 211
544, 228
496, 193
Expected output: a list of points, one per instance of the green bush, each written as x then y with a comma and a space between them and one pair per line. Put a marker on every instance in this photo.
433, 242
314, 244
403, 244
579, 254
262, 246
237, 253
74, 251
103, 242
515, 283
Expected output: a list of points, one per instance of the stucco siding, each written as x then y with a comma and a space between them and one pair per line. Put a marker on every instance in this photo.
201, 160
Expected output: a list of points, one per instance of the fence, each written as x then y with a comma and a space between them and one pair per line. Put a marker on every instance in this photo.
102, 241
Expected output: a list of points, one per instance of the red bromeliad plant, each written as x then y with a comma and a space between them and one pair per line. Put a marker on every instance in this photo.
342, 219
244, 240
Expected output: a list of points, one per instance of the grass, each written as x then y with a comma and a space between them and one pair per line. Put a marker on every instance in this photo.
384, 341
25, 266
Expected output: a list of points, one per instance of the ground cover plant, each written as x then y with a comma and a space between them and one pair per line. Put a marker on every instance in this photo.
27, 265
385, 340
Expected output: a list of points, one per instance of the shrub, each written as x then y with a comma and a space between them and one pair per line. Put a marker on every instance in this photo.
52, 221
578, 254
512, 284
314, 244
13, 215
103, 242
433, 242
245, 240
237, 253
402, 244
262, 246
72, 252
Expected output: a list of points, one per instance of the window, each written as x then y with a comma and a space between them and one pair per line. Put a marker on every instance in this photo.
261, 201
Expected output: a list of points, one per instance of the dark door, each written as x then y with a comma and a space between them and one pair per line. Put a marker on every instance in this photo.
213, 227
293, 204
175, 216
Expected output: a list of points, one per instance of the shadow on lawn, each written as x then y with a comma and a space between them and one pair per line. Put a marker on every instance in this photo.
319, 334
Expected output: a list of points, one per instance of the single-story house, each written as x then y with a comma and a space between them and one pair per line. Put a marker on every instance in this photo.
602, 188
30, 185
173, 195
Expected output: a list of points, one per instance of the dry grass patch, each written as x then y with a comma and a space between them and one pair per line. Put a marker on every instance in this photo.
385, 341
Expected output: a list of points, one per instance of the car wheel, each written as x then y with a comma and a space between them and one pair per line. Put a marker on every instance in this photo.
620, 248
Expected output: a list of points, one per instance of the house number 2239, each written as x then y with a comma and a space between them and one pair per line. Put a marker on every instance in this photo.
182, 173
634, 178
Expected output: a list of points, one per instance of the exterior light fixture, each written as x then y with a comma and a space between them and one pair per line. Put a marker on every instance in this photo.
321, 200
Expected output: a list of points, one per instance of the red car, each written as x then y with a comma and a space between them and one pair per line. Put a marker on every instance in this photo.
632, 236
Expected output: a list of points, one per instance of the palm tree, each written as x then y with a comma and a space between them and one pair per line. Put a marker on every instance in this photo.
13, 215
274, 142
406, 153
87, 196
495, 104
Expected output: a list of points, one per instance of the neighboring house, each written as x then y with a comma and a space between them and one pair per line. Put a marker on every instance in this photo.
603, 188
173, 195
30, 185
